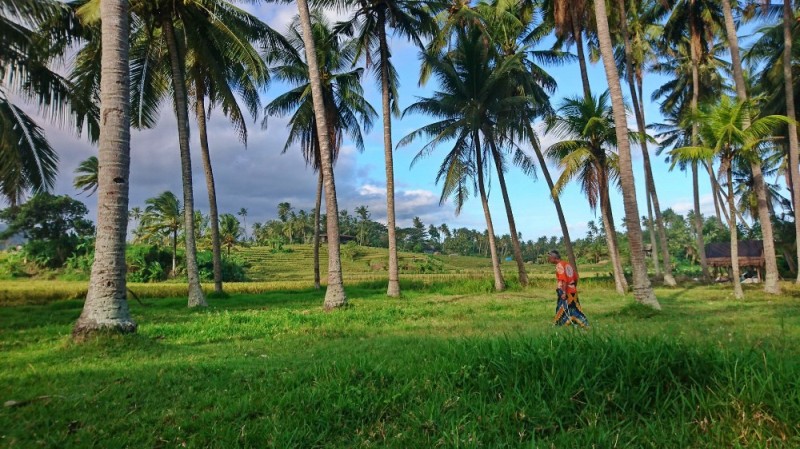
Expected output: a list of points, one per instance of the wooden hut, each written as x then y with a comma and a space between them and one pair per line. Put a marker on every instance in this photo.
751, 255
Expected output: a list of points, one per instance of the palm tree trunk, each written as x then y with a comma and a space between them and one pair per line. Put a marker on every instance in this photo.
577, 35
512, 226
212, 191
653, 240
737, 285
650, 186
174, 252
499, 283
695, 55
771, 277
611, 234
794, 153
196, 297
698, 222
316, 231
561, 219
719, 194
718, 209
393, 288
642, 290
106, 305
334, 295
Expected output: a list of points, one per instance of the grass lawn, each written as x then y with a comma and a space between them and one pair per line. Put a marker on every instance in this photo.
448, 365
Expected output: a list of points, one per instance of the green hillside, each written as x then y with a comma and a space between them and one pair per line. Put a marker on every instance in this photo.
295, 262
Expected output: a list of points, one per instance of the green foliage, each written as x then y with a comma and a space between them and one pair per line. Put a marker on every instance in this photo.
55, 227
147, 263
351, 251
233, 267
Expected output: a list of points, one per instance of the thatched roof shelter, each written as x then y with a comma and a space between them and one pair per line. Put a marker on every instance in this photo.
751, 254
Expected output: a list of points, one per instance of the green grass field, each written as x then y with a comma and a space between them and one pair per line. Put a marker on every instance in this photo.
450, 364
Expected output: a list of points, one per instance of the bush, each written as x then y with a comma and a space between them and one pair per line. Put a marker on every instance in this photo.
147, 263
232, 267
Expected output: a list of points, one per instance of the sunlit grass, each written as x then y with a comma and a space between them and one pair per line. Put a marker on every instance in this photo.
448, 365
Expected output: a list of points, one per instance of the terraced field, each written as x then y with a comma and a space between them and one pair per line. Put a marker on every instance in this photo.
296, 263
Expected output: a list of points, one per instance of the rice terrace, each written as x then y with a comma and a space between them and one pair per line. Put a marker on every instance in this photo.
427, 224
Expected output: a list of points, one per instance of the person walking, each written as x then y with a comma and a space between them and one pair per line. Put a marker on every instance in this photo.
568, 308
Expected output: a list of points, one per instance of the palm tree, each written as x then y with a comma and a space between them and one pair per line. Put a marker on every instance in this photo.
732, 132
585, 127
744, 183
794, 147
638, 108
771, 278
477, 91
163, 215
773, 51
642, 290
106, 305
243, 213
29, 162
412, 19
87, 174
230, 231
704, 19
569, 19
334, 295
346, 108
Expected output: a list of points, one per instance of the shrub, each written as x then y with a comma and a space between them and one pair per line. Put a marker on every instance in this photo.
147, 263
232, 267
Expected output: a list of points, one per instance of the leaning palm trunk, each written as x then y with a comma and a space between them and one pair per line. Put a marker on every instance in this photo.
737, 285
499, 283
334, 295
212, 191
653, 241
577, 35
771, 277
788, 19
650, 186
562, 221
106, 306
196, 297
642, 290
316, 230
698, 222
393, 288
695, 56
611, 235
512, 226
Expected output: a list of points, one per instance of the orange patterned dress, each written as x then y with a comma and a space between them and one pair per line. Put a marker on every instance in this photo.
568, 308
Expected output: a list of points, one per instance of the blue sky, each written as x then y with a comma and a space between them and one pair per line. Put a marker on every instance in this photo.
259, 177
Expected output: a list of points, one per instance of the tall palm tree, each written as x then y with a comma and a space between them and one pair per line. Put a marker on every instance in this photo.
163, 215
642, 290
772, 159
585, 127
243, 213
346, 108
704, 19
87, 175
771, 278
230, 231
507, 25
28, 163
632, 66
733, 132
412, 19
570, 19
106, 305
477, 91
794, 147
774, 51
334, 294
